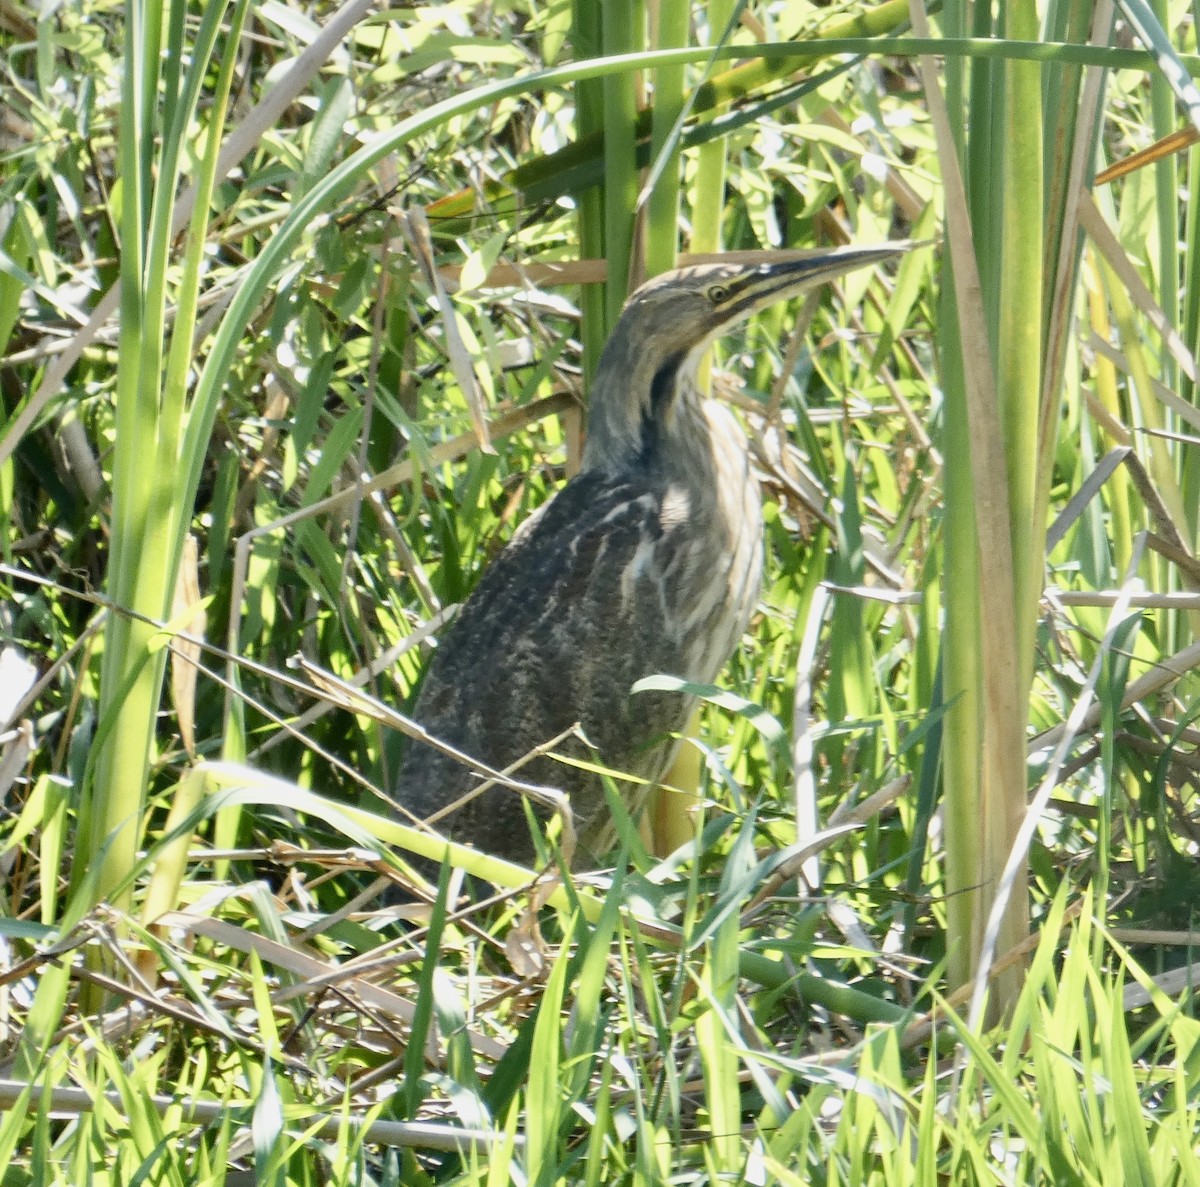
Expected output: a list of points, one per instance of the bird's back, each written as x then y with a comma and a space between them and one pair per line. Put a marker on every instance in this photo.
618, 577
648, 562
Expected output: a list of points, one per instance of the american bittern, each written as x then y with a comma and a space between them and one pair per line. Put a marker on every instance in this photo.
648, 561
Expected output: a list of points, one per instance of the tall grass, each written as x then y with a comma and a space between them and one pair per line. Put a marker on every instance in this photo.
282, 383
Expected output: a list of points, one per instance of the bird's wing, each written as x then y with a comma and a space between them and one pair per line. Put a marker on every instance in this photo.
581, 604
570, 614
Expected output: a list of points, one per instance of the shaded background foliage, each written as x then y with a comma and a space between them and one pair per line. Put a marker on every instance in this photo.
345, 369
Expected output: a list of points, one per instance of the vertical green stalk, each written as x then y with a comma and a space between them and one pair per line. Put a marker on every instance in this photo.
589, 121
962, 740
961, 745
149, 515
983, 157
992, 361
1190, 328
1020, 323
708, 193
1024, 241
128, 677
623, 33
662, 212
964, 347
608, 107
169, 871
708, 199
1073, 102
1166, 202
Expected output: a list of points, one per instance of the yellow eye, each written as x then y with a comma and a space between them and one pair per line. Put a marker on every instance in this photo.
718, 294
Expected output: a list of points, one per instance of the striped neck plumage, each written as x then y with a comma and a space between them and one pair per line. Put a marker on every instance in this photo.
640, 403
644, 390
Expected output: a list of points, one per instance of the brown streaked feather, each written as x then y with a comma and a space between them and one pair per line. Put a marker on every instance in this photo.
617, 570
648, 562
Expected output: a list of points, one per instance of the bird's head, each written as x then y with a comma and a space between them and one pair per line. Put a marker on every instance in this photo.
668, 322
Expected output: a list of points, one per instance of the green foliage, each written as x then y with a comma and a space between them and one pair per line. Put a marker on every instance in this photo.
201, 981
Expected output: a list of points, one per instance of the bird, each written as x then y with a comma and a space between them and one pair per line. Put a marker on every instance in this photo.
648, 561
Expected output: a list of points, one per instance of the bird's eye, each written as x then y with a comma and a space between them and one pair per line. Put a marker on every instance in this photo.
718, 294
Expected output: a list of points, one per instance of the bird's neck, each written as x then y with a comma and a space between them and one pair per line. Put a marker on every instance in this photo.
647, 413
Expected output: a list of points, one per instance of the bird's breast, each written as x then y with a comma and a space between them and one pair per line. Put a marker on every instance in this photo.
711, 520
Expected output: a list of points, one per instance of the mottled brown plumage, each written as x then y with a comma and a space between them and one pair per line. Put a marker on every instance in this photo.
647, 562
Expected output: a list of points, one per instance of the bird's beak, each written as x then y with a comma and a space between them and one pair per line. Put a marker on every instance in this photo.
794, 272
